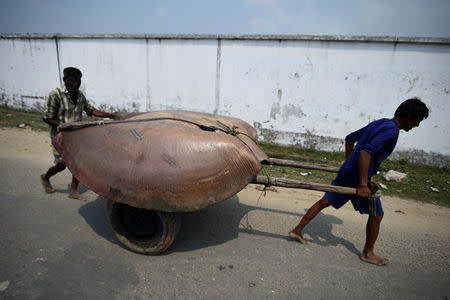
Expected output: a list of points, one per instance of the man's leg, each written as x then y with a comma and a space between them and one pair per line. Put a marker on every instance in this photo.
372, 230
296, 233
74, 190
45, 178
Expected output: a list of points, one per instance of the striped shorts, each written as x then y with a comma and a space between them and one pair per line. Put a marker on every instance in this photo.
371, 206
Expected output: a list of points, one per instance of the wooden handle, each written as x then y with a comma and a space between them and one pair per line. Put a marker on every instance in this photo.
296, 184
297, 164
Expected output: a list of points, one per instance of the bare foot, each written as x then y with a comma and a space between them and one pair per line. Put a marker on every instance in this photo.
77, 196
46, 184
299, 238
374, 259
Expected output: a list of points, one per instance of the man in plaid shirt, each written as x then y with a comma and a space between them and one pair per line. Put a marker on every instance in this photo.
65, 105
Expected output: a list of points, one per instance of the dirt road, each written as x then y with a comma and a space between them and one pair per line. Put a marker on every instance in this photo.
56, 247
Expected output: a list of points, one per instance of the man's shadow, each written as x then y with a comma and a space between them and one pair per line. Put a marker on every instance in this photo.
218, 224
320, 230
81, 189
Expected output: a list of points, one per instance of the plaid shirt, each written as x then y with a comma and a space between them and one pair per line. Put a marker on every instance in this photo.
61, 107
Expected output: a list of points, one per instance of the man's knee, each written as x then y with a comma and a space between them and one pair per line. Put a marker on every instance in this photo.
376, 219
60, 167
324, 203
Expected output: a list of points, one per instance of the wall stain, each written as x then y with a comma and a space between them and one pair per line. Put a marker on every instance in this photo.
217, 82
421, 157
280, 95
275, 110
276, 107
291, 110
135, 106
308, 140
412, 83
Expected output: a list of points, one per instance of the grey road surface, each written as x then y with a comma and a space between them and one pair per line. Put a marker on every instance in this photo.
53, 247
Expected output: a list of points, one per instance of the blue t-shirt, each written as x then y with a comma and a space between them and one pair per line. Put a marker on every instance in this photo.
378, 139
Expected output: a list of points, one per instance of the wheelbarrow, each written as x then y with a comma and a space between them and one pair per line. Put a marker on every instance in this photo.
153, 166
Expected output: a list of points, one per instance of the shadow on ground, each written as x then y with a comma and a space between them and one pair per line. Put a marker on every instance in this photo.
81, 189
218, 224
94, 212
321, 228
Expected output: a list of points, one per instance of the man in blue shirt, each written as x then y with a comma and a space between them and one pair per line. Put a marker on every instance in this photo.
375, 142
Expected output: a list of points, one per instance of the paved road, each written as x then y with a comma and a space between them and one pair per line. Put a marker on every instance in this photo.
53, 247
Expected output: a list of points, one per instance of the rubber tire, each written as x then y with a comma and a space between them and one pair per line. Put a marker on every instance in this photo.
140, 230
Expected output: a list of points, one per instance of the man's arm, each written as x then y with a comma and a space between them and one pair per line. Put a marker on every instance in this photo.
53, 122
351, 139
348, 149
92, 111
363, 190
115, 116
102, 114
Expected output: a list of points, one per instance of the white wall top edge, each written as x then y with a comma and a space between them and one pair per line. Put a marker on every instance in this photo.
282, 37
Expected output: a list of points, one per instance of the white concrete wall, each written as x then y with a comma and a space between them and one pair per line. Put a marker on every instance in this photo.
306, 92
29, 70
114, 71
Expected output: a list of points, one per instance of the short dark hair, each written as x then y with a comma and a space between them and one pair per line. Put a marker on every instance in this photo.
71, 71
414, 108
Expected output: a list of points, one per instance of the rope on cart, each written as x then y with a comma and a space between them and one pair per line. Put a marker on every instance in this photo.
234, 132
247, 224
266, 185
80, 125
221, 126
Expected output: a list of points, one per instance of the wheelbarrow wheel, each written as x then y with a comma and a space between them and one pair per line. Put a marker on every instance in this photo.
142, 230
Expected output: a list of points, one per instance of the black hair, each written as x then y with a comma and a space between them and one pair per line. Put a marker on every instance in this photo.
414, 108
71, 71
